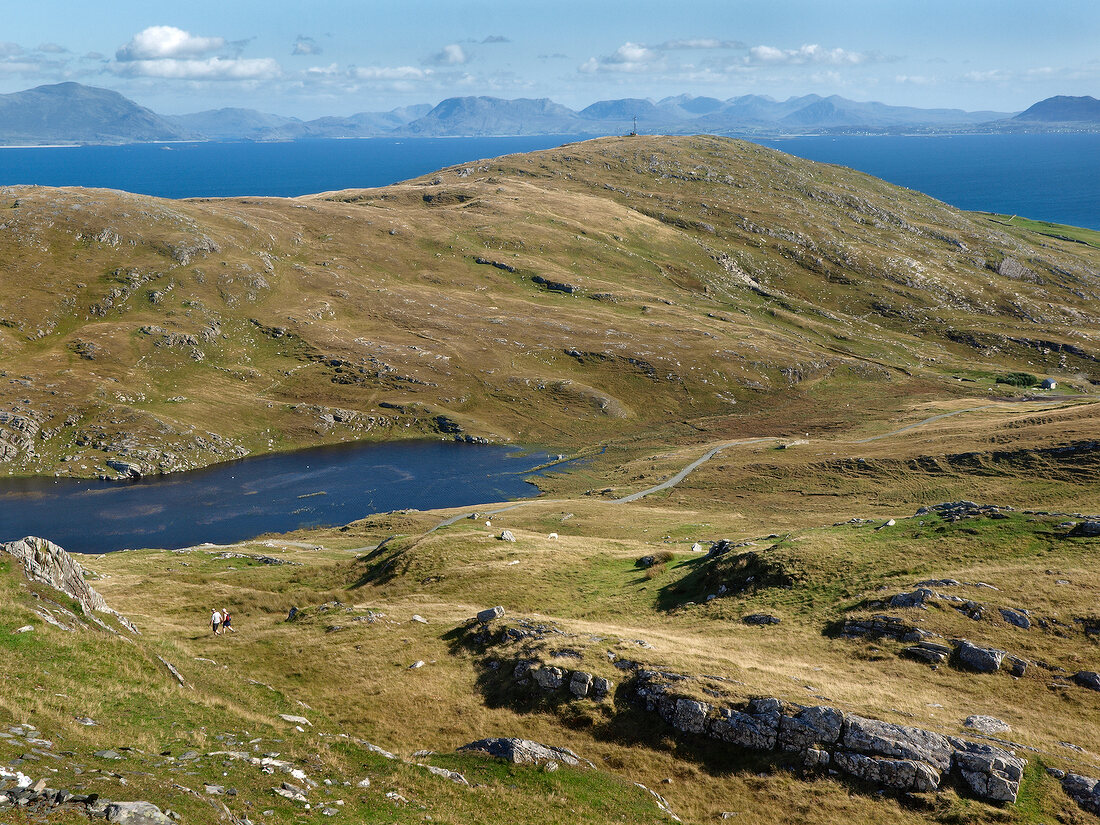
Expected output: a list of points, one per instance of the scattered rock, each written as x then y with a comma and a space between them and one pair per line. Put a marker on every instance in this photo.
1019, 618
580, 684
987, 724
295, 720
1088, 529
506, 535
27, 628
549, 678
760, 619
917, 598
930, 652
980, 659
419, 619
486, 616
1088, 679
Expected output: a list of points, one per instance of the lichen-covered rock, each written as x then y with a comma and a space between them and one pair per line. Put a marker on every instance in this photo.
980, 659
818, 725
1088, 529
1019, 618
931, 652
990, 773
872, 736
917, 598
895, 774
521, 751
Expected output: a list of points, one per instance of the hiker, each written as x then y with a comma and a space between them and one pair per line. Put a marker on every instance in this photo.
216, 622
227, 622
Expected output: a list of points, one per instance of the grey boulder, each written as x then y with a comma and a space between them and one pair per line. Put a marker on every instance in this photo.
980, 659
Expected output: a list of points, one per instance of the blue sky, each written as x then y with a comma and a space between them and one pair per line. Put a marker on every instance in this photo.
343, 56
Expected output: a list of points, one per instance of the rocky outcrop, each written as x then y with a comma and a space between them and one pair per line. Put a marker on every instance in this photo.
980, 659
893, 757
520, 751
45, 562
1083, 790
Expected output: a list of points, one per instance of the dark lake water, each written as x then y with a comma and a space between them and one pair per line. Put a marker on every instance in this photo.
273, 493
1054, 177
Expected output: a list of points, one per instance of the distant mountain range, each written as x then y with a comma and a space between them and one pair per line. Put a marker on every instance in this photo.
73, 113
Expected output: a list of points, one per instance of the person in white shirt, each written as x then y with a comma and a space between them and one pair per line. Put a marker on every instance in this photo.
216, 621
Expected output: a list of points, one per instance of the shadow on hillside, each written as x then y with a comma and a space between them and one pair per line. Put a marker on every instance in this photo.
379, 566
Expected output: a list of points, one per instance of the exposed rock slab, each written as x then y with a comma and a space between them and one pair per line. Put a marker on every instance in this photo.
45, 562
520, 751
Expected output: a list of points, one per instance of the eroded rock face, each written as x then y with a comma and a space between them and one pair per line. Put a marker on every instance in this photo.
898, 741
896, 774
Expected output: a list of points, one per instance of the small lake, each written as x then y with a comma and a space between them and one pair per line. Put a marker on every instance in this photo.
272, 493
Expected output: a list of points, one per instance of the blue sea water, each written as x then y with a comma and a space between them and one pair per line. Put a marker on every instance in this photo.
224, 169
1054, 177
1050, 177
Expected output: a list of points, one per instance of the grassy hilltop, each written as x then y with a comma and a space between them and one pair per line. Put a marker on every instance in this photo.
620, 291
856, 350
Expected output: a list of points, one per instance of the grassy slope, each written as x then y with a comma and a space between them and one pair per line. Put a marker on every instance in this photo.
354, 678
892, 316
722, 288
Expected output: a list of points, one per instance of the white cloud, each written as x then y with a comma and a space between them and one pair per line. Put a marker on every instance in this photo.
306, 45
10, 49
330, 70
452, 55
809, 53
914, 79
51, 48
628, 58
987, 76
167, 42
211, 68
390, 73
